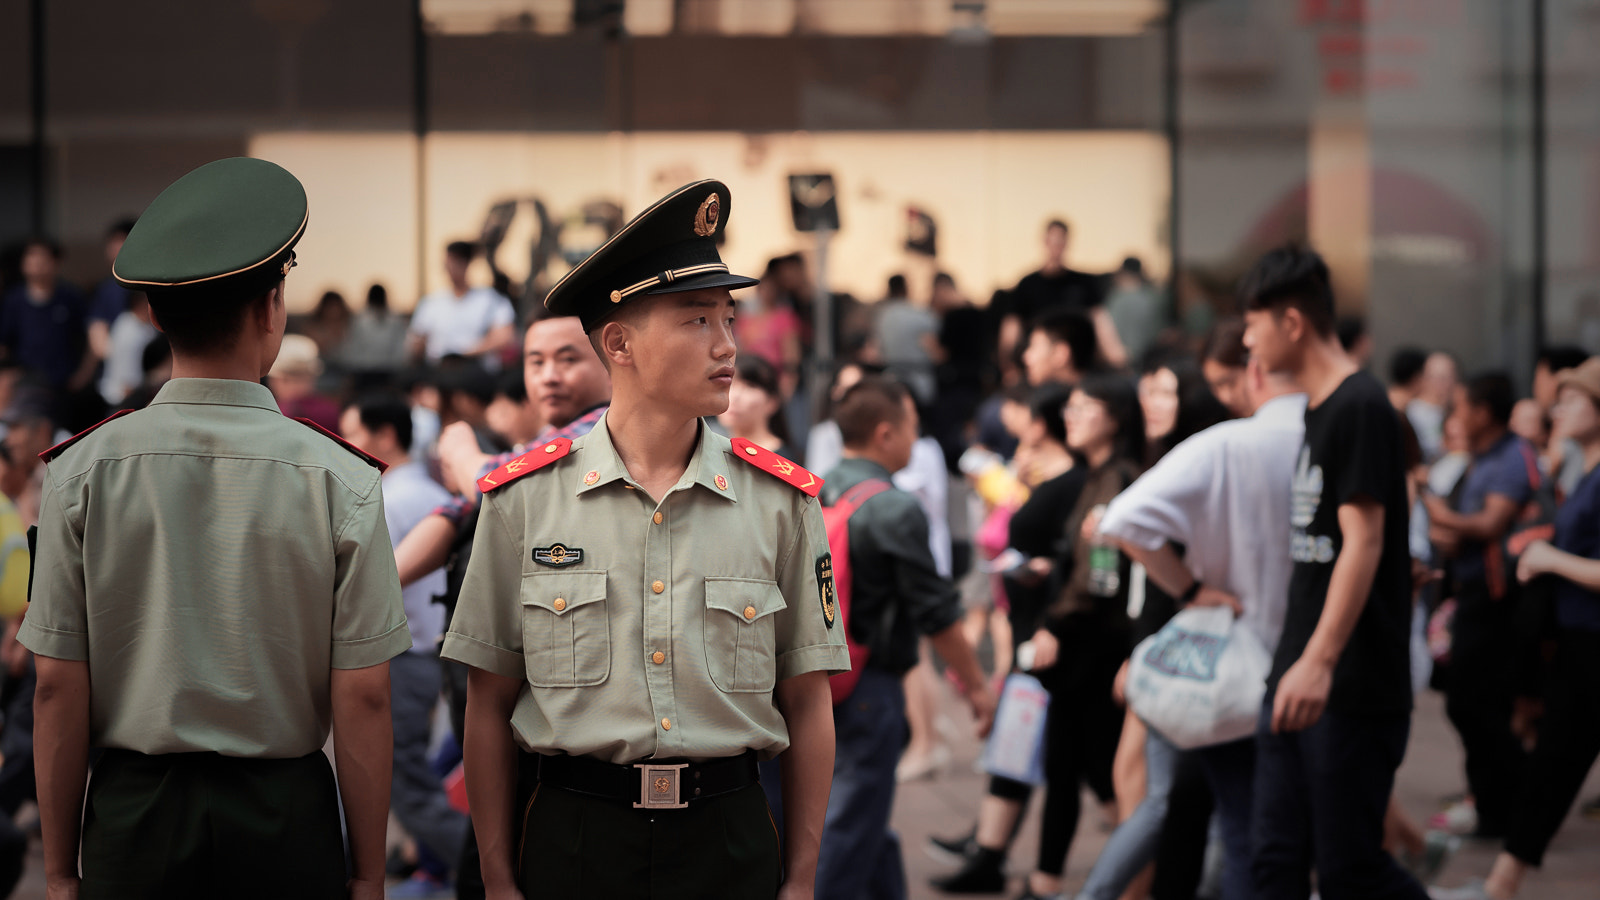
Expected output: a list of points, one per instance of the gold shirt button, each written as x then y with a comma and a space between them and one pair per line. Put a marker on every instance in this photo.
666, 724
658, 657
560, 604
749, 613
658, 587
751, 451
551, 448
656, 518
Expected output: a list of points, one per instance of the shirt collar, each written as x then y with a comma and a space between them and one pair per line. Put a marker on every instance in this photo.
599, 464
216, 392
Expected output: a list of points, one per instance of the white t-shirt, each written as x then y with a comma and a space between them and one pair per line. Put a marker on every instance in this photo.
1224, 494
451, 324
124, 369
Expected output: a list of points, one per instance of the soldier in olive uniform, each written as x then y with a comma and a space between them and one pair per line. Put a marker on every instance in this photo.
648, 610
213, 591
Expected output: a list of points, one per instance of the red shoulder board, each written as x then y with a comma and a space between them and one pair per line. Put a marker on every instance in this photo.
532, 461
775, 465
55, 451
365, 456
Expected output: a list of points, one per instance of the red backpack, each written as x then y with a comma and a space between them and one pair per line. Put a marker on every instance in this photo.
836, 520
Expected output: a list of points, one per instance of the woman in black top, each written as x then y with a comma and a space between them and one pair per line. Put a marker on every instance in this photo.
1036, 531
1083, 632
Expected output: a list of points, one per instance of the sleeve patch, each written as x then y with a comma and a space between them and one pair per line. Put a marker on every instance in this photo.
830, 604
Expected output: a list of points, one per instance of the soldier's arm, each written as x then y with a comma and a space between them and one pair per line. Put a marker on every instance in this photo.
61, 762
363, 751
491, 763
807, 708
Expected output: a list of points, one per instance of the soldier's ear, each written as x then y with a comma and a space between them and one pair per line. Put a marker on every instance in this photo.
615, 344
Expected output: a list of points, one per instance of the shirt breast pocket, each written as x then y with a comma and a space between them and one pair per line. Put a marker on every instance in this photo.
566, 634
741, 641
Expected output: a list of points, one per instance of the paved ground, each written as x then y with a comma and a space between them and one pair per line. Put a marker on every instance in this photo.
1432, 770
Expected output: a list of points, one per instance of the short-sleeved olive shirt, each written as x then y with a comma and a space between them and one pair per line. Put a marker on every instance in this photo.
645, 629
212, 561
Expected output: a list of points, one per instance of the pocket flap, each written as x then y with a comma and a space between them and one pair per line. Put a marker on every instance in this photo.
563, 592
750, 599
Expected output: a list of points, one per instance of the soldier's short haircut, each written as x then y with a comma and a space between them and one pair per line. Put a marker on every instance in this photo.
203, 325
869, 403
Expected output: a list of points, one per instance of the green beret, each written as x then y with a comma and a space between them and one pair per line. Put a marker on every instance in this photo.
668, 248
225, 230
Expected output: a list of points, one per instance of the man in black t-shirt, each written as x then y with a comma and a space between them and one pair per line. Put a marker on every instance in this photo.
1337, 713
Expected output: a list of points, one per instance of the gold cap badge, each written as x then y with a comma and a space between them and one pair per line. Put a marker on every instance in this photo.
707, 216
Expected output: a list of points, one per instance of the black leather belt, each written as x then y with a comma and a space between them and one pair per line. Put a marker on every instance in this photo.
652, 784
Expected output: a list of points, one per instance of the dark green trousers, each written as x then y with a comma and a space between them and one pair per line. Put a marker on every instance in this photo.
193, 825
577, 847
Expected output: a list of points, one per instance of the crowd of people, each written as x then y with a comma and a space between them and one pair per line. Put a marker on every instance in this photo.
1049, 479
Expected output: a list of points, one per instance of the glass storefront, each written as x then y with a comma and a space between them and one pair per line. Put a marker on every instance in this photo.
1403, 138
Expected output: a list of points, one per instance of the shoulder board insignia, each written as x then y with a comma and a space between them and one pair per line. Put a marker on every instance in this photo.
532, 461
366, 457
56, 451
777, 466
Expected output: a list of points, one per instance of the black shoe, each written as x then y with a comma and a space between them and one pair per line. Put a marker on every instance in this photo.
980, 874
954, 851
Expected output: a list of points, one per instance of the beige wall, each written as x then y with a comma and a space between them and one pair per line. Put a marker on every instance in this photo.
990, 193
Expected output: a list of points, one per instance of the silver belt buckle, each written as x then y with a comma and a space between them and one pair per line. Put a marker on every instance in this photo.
659, 786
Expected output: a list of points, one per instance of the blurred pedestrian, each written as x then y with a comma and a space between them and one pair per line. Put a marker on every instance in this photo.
130, 334
293, 381
1054, 286
1484, 651
42, 322
1061, 348
380, 424
377, 338
896, 595
1136, 309
1569, 736
461, 319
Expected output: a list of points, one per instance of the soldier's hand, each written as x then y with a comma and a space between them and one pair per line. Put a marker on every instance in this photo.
983, 702
64, 889
361, 889
509, 893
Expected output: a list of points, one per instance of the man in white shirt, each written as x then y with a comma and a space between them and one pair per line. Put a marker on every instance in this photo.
461, 319
1224, 495
380, 424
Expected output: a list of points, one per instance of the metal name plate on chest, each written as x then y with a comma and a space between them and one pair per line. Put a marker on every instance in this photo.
557, 555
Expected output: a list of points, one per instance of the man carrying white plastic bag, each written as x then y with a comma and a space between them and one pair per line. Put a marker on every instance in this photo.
1223, 496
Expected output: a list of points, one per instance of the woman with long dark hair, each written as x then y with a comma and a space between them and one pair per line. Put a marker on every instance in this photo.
1083, 632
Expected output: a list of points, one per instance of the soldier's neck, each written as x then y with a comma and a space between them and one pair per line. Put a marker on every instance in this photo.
235, 366
655, 447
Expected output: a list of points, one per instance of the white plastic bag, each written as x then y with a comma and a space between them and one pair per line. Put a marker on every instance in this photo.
1200, 679
1015, 749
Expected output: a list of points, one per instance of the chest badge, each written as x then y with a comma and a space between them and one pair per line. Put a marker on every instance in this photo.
557, 555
